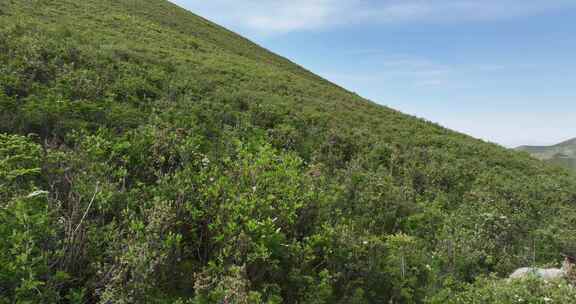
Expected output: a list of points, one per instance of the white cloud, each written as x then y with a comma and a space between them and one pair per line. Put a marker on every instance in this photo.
414, 66
264, 17
410, 71
269, 16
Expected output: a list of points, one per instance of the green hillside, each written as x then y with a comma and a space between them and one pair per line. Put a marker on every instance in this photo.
562, 154
150, 156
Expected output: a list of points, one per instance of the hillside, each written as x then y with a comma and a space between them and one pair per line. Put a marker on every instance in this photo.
150, 156
562, 154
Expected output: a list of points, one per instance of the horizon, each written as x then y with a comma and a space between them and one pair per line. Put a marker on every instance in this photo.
501, 71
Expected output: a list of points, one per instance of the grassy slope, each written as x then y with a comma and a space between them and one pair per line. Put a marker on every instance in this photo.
138, 74
160, 31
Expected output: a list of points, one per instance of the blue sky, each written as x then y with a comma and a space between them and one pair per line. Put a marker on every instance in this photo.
500, 70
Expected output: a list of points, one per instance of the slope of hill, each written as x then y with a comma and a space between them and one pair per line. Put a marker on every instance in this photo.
563, 154
150, 156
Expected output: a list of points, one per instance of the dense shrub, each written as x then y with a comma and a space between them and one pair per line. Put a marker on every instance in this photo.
530, 291
149, 156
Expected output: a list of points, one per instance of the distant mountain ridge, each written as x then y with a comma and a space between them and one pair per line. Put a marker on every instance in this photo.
563, 154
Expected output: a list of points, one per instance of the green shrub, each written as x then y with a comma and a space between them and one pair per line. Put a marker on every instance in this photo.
529, 291
184, 164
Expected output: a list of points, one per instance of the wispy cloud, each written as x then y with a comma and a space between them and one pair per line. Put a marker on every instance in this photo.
269, 17
418, 67
412, 71
415, 72
264, 17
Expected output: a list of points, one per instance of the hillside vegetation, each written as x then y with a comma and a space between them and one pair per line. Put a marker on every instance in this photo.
150, 156
562, 154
